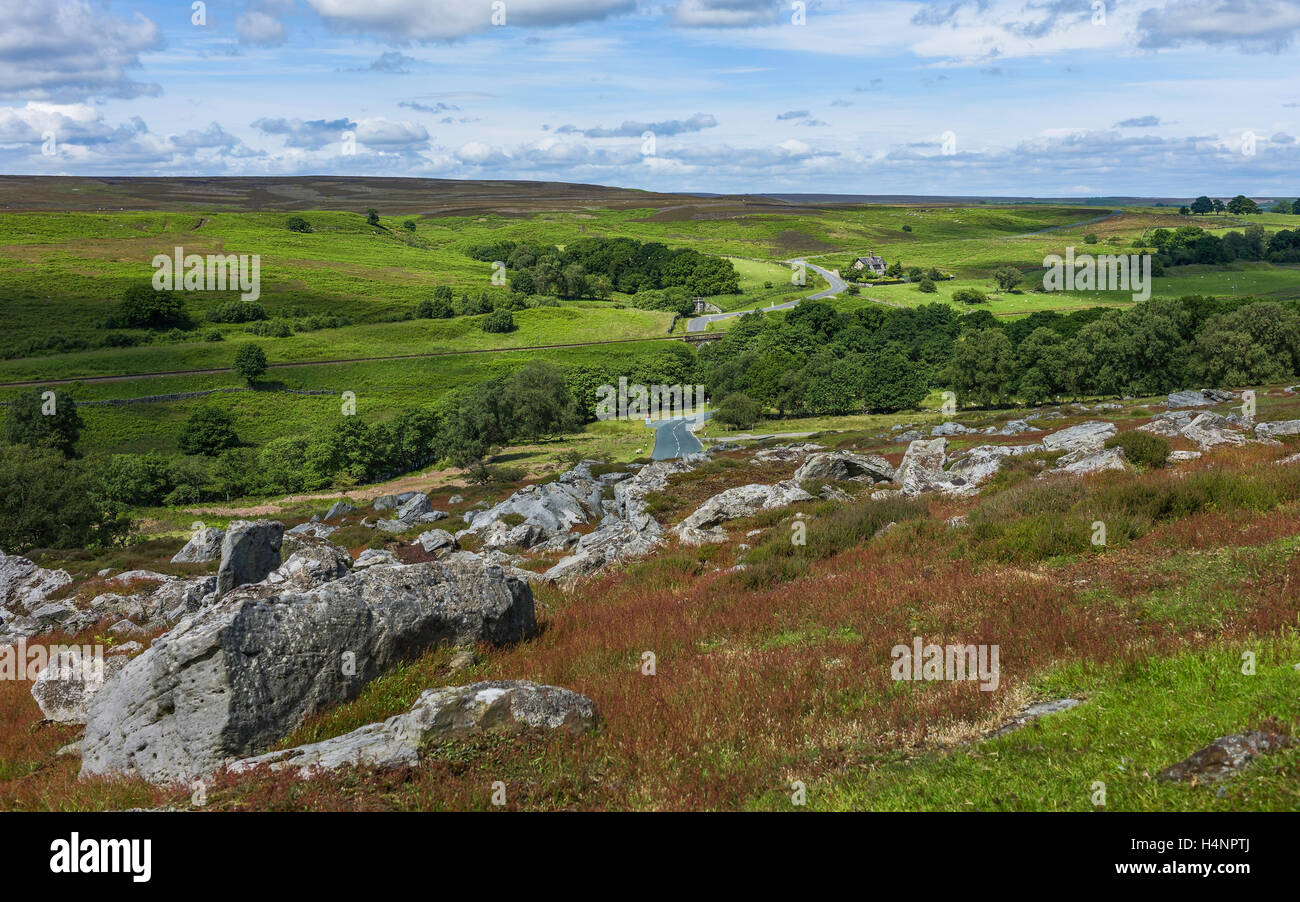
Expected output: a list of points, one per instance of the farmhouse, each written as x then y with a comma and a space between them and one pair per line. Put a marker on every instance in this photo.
871, 262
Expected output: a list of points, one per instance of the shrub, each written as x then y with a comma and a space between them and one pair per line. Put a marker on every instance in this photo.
969, 296
207, 431
1090, 238
237, 312
213, 335
250, 362
1141, 448
298, 224
927, 286
499, 321
738, 409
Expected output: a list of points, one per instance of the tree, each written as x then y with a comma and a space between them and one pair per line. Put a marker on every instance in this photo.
927, 286
208, 431
372, 217
499, 321
44, 420
1184, 210
144, 308
1241, 205
1202, 205
138, 480
52, 502
969, 296
1006, 277
538, 403
983, 367
250, 362
738, 410
1218, 206
298, 224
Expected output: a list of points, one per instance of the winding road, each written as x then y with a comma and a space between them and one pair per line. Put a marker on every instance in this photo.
673, 438
700, 323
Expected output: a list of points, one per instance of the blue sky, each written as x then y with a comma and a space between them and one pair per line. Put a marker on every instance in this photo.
1006, 97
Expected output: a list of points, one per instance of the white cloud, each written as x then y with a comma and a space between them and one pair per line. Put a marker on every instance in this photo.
260, 29
431, 20
67, 50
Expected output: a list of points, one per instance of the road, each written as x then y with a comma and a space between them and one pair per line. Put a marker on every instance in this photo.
700, 323
674, 439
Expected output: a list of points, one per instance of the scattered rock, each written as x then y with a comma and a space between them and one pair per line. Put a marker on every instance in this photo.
786, 453
703, 525
844, 465
339, 509
1091, 436
310, 566
64, 688
1188, 399
1177, 457
373, 556
1035, 711
203, 546
249, 551
438, 714
1087, 460
436, 540
1224, 756
25, 586
237, 676
462, 659
1209, 430
1283, 427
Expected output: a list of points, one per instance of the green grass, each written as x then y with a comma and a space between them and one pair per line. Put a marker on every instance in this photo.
1138, 718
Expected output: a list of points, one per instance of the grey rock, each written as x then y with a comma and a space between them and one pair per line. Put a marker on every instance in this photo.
921, 470
1090, 460
1091, 435
203, 546
1015, 427
249, 551
126, 648
309, 566
374, 556
438, 713
126, 628
743, 501
339, 509
1188, 399
950, 428
841, 465
25, 586
910, 435
65, 687
436, 540
1225, 756
1281, 427
455, 499
230, 680
1209, 430
385, 502
786, 453
980, 463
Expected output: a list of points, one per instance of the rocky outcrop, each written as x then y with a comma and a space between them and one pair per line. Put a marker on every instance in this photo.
841, 465
235, 677
1209, 430
1206, 397
311, 564
436, 540
982, 462
1225, 756
922, 470
1085, 460
411, 512
508, 705
627, 530
704, 525
25, 586
1282, 427
786, 453
203, 546
63, 690
249, 551
1089, 436
338, 509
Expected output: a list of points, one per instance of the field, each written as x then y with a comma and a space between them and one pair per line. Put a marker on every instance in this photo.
778, 676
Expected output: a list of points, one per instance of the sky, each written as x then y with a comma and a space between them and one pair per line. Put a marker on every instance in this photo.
1045, 98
